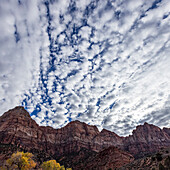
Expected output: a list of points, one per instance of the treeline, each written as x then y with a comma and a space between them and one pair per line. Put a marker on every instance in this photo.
24, 161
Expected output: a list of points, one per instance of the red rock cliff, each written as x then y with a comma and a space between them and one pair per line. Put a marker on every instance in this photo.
146, 138
17, 127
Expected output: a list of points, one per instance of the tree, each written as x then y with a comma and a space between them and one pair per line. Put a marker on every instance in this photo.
52, 165
20, 161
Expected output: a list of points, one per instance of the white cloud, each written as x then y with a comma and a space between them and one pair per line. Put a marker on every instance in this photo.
103, 64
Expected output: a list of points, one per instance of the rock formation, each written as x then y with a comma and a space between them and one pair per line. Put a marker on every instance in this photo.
109, 158
157, 161
145, 139
18, 129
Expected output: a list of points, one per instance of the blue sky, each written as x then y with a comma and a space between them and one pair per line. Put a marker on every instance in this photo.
105, 63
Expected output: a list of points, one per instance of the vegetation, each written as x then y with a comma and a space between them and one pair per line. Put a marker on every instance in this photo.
23, 161
52, 165
20, 161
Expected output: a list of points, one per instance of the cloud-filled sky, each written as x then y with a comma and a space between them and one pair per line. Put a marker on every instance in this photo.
106, 63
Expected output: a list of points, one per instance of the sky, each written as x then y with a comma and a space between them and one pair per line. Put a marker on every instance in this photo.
103, 62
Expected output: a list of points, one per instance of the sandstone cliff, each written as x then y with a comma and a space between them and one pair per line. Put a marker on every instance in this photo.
18, 129
146, 138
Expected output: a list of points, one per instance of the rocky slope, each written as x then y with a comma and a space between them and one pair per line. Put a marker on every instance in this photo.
18, 129
158, 161
109, 158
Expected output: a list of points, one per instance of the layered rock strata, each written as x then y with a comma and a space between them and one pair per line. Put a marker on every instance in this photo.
17, 128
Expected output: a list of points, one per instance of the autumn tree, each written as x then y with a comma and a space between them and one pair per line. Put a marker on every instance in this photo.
52, 165
20, 161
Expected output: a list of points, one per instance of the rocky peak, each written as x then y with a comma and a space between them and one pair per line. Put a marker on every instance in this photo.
17, 119
81, 125
149, 132
145, 126
146, 138
78, 131
107, 138
18, 111
109, 133
111, 136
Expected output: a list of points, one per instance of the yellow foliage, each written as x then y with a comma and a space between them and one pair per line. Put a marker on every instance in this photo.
62, 168
23, 161
51, 165
20, 161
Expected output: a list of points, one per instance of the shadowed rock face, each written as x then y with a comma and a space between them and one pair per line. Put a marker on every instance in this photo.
17, 128
110, 157
159, 160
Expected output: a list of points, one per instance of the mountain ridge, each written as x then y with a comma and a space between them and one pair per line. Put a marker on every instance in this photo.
18, 128
77, 121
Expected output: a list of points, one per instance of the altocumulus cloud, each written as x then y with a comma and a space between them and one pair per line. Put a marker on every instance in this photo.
102, 62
